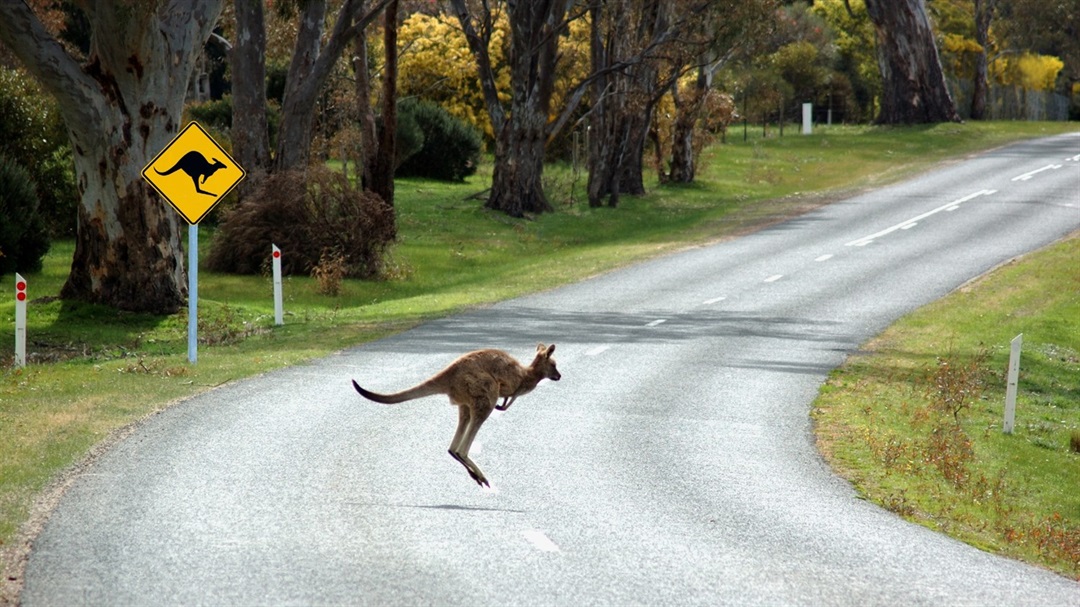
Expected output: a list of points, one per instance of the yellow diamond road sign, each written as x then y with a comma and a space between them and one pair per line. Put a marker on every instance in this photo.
193, 173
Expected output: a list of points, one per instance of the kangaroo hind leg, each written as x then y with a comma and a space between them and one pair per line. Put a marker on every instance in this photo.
459, 450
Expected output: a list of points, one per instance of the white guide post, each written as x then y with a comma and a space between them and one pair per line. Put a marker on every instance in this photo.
278, 312
807, 110
1010, 390
20, 321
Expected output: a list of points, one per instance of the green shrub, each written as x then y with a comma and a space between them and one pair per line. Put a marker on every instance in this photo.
33, 135
327, 217
410, 137
215, 113
23, 238
451, 146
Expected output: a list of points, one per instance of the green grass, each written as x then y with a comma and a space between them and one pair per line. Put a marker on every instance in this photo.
1019, 494
94, 370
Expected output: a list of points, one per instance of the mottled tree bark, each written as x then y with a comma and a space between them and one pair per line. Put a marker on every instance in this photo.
516, 186
250, 135
914, 90
121, 109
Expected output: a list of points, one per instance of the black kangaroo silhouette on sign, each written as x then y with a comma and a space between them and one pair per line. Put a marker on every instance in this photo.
196, 166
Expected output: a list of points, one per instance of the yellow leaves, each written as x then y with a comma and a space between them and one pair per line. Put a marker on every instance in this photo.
955, 43
1029, 71
435, 63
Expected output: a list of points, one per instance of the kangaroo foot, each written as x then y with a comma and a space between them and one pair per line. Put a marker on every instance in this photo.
471, 468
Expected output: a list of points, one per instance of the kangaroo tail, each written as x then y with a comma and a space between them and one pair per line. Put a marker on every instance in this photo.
168, 171
422, 390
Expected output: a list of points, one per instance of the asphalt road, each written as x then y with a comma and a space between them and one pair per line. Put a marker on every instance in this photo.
673, 464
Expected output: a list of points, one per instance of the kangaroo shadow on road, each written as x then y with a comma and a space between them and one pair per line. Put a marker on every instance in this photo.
449, 507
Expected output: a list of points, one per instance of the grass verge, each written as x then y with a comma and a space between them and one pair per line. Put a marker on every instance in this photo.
915, 421
94, 370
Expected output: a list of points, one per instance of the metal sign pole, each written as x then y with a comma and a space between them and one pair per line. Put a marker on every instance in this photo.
193, 293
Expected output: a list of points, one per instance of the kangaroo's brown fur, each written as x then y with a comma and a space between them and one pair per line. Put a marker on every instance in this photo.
475, 382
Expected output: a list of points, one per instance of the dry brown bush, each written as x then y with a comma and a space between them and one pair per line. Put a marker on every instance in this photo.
329, 214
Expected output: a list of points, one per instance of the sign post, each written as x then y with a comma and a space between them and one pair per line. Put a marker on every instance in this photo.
278, 312
20, 321
193, 293
179, 173
807, 116
1013, 378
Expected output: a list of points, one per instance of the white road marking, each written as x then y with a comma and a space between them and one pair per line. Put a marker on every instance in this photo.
774, 278
1031, 174
709, 302
540, 541
597, 350
825, 257
910, 223
658, 321
1073, 158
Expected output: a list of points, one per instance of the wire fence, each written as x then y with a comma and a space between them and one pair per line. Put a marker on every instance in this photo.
1012, 103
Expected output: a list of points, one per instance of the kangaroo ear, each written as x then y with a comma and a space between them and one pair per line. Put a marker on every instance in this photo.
550, 350
540, 348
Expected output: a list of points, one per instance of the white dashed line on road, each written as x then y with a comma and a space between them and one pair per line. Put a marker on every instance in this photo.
540, 541
910, 223
1031, 174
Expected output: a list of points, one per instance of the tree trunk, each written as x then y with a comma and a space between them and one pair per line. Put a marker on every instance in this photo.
623, 99
913, 90
311, 65
517, 186
250, 134
386, 159
984, 10
302, 85
369, 142
121, 109
687, 109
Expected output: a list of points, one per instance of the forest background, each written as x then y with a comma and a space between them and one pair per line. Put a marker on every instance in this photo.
430, 88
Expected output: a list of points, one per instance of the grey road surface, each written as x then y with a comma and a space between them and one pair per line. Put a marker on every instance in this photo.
673, 464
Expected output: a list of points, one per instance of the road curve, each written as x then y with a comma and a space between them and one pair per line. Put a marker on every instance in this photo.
674, 462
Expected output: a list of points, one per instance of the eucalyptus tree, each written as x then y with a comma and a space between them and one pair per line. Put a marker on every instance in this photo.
121, 106
913, 84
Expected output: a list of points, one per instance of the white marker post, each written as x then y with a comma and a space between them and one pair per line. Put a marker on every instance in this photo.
1010, 390
278, 312
807, 111
20, 321
193, 293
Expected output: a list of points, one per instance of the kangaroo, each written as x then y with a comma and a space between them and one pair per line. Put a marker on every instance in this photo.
197, 167
475, 382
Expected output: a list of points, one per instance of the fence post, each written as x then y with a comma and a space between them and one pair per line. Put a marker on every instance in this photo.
1010, 390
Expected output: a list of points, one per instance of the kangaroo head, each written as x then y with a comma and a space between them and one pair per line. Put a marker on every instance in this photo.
217, 164
545, 363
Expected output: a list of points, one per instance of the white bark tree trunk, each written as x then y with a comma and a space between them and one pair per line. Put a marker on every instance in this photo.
121, 109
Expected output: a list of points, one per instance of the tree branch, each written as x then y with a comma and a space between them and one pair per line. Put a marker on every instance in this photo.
48, 62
